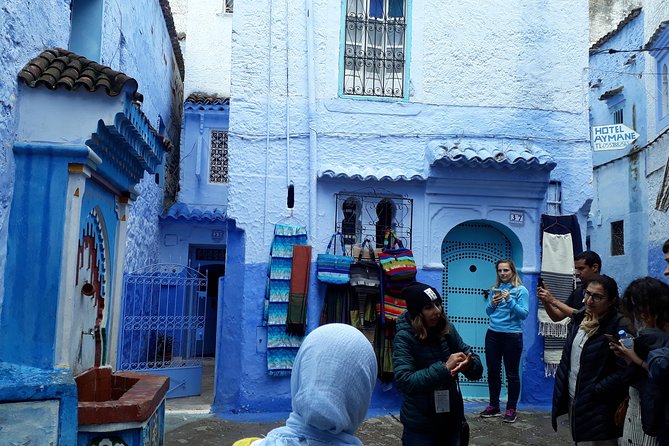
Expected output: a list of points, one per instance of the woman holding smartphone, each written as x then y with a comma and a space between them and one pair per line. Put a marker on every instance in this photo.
504, 340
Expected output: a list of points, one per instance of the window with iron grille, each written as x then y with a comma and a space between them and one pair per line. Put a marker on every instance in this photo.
361, 216
375, 48
229, 6
218, 157
617, 238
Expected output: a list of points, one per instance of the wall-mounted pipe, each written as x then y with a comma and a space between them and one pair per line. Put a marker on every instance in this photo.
313, 134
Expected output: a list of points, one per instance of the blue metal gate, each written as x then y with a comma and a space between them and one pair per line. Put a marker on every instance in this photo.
162, 325
469, 253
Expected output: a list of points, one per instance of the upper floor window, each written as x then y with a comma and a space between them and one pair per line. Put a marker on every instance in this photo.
228, 6
374, 59
86, 29
218, 157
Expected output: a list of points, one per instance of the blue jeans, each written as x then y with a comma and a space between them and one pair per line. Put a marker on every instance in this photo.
505, 347
421, 438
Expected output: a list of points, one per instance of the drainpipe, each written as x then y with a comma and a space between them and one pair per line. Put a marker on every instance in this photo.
198, 155
313, 141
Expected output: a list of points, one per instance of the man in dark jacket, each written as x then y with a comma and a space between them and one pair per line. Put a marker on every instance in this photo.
428, 354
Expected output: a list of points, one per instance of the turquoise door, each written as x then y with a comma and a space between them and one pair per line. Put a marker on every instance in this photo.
469, 253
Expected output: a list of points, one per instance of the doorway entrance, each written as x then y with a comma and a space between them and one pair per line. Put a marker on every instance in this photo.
469, 252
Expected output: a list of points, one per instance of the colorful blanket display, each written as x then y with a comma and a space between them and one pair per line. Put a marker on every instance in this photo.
557, 271
281, 345
399, 270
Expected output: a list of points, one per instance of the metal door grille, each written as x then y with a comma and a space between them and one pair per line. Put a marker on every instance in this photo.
163, 318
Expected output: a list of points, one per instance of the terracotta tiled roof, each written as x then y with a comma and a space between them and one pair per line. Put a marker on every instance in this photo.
169, 22
55, 68
488, 154
660, 29
203, 98
631, 16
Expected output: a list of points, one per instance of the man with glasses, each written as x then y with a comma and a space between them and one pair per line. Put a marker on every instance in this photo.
586, 265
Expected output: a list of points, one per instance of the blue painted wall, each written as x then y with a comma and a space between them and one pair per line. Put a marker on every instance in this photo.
34, 254
518, 85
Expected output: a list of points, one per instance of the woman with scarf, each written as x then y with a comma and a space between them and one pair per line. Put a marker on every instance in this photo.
587, 382
646, 301
428, 354
504, 339
331, 386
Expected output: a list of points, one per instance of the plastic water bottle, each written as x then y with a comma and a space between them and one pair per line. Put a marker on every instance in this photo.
625, 339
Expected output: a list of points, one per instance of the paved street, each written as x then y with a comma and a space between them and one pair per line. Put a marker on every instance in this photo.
532, 429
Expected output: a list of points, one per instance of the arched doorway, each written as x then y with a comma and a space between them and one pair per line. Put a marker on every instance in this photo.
469, 252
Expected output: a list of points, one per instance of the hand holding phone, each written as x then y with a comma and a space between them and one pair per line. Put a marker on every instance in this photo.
611, 338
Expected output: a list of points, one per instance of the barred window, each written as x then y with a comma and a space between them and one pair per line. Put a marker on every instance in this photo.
218, 157
229, 6
617, 238
361, 216
374, 50
618, 117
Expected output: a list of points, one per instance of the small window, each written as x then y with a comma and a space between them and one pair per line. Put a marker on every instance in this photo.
228, 6
554, 198
634, 117
218, 157
374, 56
617, 238
618, 117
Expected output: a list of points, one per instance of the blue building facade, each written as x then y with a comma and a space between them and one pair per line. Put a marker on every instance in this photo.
374, 113
628, 224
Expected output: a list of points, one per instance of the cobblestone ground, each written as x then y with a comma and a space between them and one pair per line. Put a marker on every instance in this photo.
531, 429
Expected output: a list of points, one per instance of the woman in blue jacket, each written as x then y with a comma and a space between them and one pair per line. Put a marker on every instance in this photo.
504, 340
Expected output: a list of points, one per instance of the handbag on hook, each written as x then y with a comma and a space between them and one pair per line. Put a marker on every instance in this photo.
366, 274
397, 261
334, 268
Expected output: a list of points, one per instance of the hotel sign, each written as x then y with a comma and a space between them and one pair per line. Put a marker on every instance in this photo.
612, 137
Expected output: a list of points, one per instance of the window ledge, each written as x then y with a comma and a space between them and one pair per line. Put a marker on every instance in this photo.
372, 106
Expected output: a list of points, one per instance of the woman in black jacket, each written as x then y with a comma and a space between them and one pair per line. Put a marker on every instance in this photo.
587, 382
646, 301
428, 354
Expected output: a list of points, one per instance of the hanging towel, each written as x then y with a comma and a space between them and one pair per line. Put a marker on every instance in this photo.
281, 346
296, 320
557, 271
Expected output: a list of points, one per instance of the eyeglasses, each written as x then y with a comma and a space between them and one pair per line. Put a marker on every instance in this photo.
595, 296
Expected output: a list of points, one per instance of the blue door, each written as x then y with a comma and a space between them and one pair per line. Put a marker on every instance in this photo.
469, 253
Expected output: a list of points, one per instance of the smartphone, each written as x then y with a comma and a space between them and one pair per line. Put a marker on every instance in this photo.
541, 283
611, 338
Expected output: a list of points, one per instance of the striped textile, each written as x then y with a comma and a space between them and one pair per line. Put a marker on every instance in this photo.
281, 346
633, 433
557, 271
